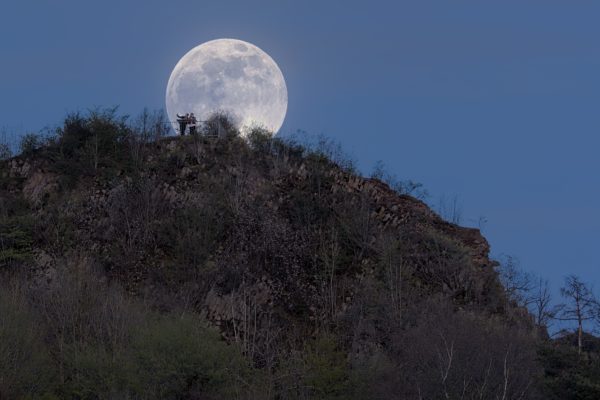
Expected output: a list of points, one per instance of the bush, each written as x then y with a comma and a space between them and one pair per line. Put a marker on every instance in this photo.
260, 140
443, 265
191, 236
94, 371
55, 230
5, 152
166, 357
106, 345
449, 354
30, 142
92, 144
569, 375
179, 357
327, 369
16, 240
220, 124
25, 367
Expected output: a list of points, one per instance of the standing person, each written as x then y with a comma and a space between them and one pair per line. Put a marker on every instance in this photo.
183, 121
192, 122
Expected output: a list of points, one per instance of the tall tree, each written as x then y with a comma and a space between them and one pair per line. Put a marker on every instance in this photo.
518, 284
580, 307
541, 303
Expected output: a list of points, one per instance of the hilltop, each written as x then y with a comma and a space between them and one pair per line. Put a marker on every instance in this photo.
197, 267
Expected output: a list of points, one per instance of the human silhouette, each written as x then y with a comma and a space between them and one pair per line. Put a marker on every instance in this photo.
183, 121
192, 124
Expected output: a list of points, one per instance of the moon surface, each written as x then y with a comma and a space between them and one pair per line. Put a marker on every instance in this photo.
232, 76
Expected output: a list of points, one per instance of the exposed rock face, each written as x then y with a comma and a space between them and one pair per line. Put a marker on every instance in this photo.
39, 185
394, 210
19, 168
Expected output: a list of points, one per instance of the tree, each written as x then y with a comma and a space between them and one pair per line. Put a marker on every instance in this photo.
145, 128
5, 151
220, 124
459, 355
528, 290
541, 303
25, 366
392, 263
518, 284
30, 142
581, 305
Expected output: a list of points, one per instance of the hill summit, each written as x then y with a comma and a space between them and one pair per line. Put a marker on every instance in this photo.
197, 267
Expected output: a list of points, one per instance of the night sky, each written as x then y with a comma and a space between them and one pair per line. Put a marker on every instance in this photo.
496, 103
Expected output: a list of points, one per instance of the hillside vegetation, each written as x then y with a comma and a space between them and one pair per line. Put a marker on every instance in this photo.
139, 266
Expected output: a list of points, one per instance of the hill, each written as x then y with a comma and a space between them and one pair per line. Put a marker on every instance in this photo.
141, 266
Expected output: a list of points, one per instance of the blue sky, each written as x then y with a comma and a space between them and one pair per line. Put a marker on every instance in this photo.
497, 103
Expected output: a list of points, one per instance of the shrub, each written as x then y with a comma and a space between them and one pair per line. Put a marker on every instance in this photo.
30, 142
15, 240
178, 356
106, 345
443, 265
260, 140
327, 369
25, 368
88, 145
164, 357
55, 230
453, 354
95, 371
568, 375
192, 234
220, 124
5, 152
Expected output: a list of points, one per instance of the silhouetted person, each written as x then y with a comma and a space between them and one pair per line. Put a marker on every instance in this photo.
192, 123
183, 121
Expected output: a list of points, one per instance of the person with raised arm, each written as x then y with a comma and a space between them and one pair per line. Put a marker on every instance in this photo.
183, 121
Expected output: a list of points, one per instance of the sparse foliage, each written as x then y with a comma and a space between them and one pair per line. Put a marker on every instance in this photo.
257, 267
581, 305
541, 304
25, 366
517, 283
5, 151
221, 125
450, 209
407, 187
30, 142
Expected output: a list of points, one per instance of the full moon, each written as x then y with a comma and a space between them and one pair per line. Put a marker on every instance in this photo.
231, 76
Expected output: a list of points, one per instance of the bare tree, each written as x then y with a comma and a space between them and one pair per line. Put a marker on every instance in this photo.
221, 124
5, 151
393, 264
449, 355
581, 305
518, 284
330, 253
148, 126
528, 290
541, 303
9, 139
